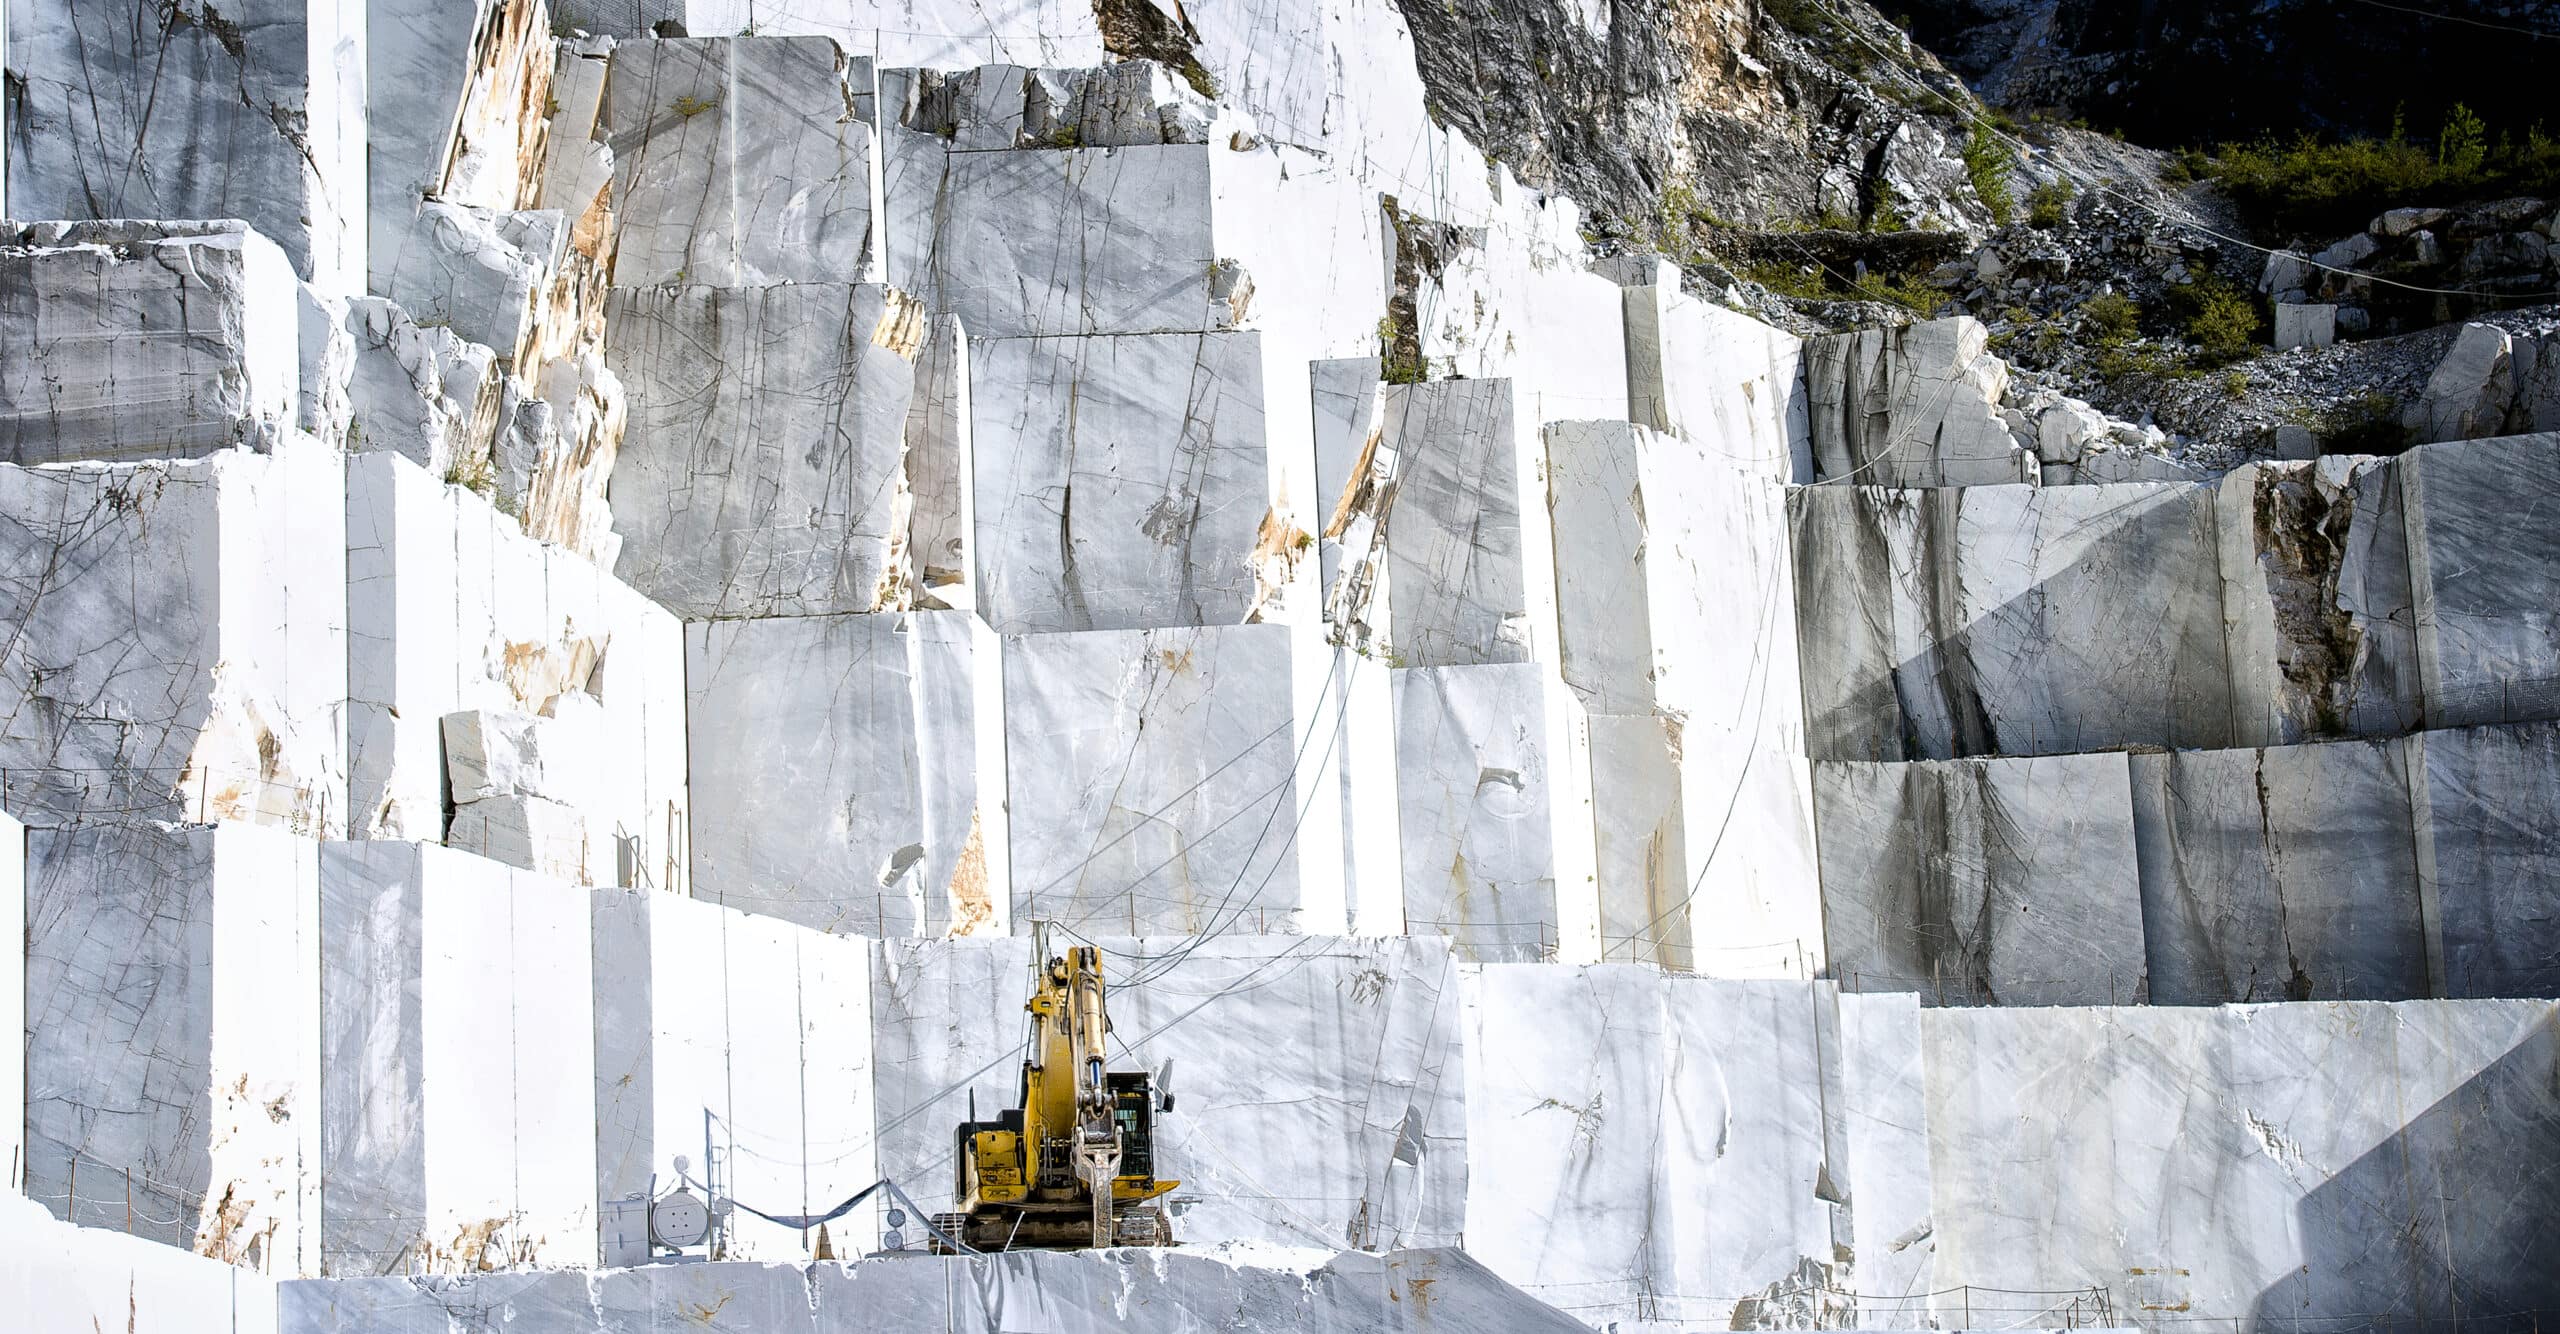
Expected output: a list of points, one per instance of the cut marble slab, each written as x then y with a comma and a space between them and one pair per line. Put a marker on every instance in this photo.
718, 1031
1366, 1146
254, 110
762, 471
941, 468
850, 772
420, 391
740, 162
179, 642
2487, 579
1639, 840
173, 1032
1884, 1075
1466, 579
13, 983
2000, 619
1151, 779
1983, 882
1120, 483
2279, 874
138, 340
1915, 406
1493, 781
453, 609
458, 1064
1250, 1291
2272, 1163
508, 280
2487, 813
1724, 380
56, 1276
1000, 106
1627, 1116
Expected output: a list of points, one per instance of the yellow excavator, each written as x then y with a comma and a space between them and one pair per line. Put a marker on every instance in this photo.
1073, 1166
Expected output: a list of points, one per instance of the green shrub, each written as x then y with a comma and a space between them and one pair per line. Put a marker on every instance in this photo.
1987, 163
2220, 318
2050, 204
2113, 319
2323, 187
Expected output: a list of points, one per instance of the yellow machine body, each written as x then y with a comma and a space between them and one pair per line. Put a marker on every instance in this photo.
1072, 1165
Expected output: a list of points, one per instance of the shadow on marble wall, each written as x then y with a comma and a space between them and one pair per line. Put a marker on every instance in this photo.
2451, 1224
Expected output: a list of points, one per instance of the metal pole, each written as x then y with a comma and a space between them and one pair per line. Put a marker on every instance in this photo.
128, 1201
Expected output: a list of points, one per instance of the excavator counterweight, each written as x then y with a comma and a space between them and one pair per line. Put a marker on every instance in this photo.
1072, 1165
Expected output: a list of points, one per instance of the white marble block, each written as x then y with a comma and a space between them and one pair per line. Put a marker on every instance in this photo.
1884, 1075
1726, 381
173, 1032
762, 473
1366, 1147
1654, 1146
1994, 619
452, 609
1915, 406
850, 771
1493, 781
2487, 584
739, 162
1458, 572
56, 1276
2291, 1166
1152, 782
13, 985
1121, 483
736, 1039
2486, 807
179, 641
941, 469
460, 96
420, 391
142, 340
254, 110
2280, 874
1983, 882
458, 1064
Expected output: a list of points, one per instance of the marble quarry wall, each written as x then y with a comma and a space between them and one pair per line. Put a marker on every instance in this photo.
567, 649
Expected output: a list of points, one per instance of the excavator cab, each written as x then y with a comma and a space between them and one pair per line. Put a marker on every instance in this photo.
1072, 1165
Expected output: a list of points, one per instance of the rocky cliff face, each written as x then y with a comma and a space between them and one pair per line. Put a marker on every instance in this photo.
1754, 112
2180, 71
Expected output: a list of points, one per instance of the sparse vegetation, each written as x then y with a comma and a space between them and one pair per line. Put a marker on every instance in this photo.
2366, 424
2221, 318
1988, 160
2112, 319
2318, 186
476, 473
690, 106
2049, 205
1399, 360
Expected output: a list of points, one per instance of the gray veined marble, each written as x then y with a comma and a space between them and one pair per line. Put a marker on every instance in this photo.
850, 771
740, 162
2280, 874
2486, 802
1120, 483
762, 473
1983, 882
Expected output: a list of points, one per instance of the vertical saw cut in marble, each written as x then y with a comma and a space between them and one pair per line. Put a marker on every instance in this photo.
1653, 1145
254, 110
731, 1040
142, 340
1994, 619
1121, 483
2488, 586
452, 609
2275, 1165
849, 771
179, 641
1247, 1290
1467, 579
1151, 779
457, 1064
2318, 618
173, 1032
2280, 874
740, 162
761, 473
56, 1276
1366, 1148
1727, 382
2487, 811
1885, 1119
1983, 882
1493, 781
941, 468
